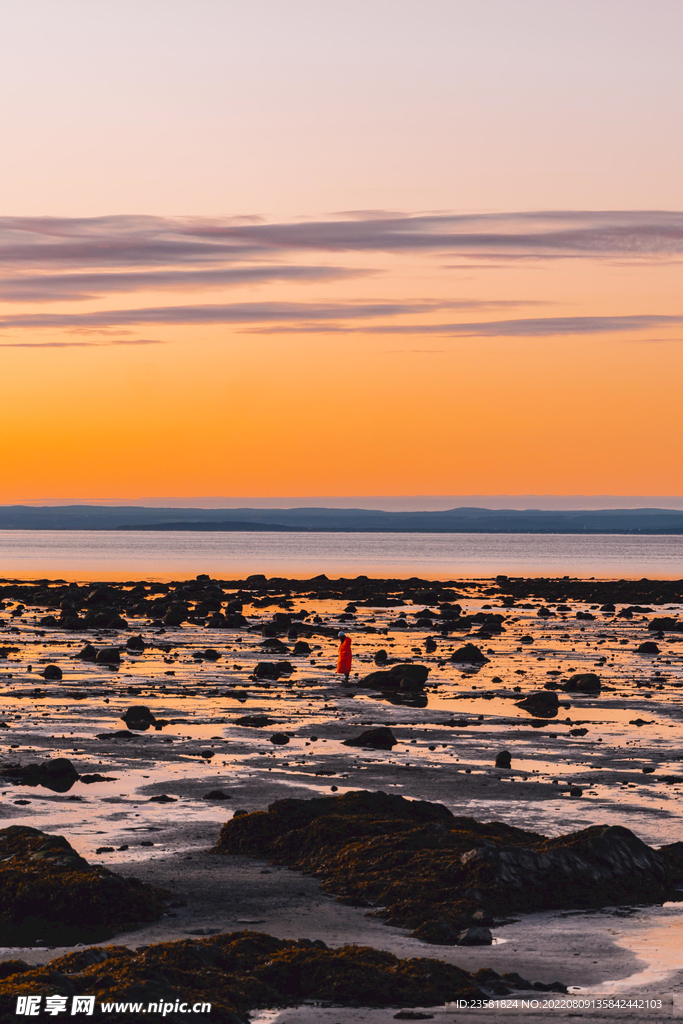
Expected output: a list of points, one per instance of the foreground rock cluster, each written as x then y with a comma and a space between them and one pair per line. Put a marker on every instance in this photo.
243, 971
447, 877
49, 894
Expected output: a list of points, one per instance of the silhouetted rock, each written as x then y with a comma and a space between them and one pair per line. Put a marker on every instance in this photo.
381, 738
542, 704
51, 672
108, 656
139, 717
470, 654
407, 677
583, 682
503, 759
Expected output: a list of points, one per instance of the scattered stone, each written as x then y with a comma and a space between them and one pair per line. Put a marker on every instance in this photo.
503, 759
217, 794
279, 739
649, 647
51, 672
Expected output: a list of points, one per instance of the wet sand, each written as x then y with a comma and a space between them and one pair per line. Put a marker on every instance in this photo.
592, 744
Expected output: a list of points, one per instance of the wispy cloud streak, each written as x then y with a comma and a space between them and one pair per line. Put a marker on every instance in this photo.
164, 242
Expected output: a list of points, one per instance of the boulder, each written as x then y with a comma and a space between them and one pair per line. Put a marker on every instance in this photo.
381, 738
583, 682
503, 759
51, 672
665, 624
139, 717
407, 677
108, 656
470, 654
474, 936
89, 653
135, 643
649, 647
541, 704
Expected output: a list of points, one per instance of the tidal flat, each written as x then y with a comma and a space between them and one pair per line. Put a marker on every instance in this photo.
146, 722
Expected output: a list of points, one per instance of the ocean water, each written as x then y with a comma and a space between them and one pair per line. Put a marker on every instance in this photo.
112, 555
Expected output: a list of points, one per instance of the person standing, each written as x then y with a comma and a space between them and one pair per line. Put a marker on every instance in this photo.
345, 656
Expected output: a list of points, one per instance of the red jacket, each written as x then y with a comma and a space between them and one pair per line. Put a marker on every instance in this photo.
344, 659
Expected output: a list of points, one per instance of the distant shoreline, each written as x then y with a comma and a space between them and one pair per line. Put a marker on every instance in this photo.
463, 520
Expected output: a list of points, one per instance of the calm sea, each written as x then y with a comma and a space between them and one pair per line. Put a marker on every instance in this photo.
111, 555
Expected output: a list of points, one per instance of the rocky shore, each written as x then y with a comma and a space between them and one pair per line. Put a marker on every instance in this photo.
505, 749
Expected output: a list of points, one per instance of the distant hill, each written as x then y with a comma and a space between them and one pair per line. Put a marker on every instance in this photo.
344, 520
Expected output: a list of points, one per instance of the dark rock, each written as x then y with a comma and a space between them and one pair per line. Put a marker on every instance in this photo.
163, 799
48, 891
255, 721
586, 616
217, 794
272, 670
649, 647
469, 655
665, 624
240, 972
279, 739
108, 656
475, 936
422, 864
273, 644
503, 759
301, 647
57, 774
139, 717
135, 643
407, 677
542, 704
381, 738
51, 672
583, 682
381, 657
89, 653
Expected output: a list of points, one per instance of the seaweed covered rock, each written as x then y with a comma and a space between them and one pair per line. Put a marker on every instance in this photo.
49, 892
239, 972
437, 874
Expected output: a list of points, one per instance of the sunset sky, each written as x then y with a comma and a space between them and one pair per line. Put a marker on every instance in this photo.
291, 247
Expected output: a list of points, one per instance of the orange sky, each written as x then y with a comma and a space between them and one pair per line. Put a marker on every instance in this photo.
242, 336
